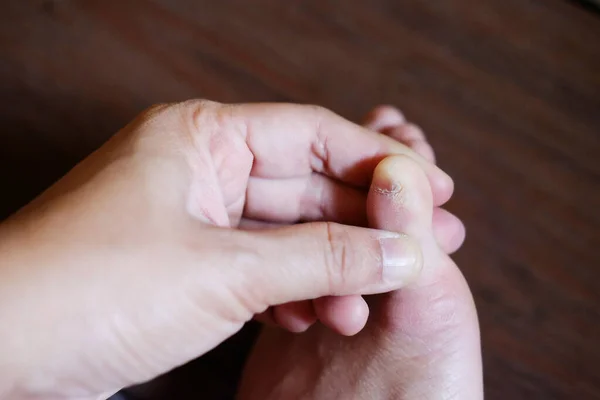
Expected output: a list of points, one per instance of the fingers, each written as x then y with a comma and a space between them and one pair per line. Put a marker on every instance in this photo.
337, 312
308, 261
412, 136
346, 315
296, 316
343, 314
289, 141
313, 197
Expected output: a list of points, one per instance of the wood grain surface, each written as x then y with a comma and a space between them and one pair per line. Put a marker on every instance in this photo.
508, 91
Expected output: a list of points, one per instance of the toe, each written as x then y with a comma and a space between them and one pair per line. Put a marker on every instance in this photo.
422, 148
413, 137
383, 117
400, 198
406, 133
449, 231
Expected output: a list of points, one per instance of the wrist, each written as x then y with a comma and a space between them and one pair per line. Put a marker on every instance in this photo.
13, 339
27, 309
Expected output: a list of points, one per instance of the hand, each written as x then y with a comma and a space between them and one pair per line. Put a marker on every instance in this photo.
347, 315
131, 265
421, 342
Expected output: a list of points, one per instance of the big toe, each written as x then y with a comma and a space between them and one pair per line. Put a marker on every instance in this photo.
400, 200
432, 324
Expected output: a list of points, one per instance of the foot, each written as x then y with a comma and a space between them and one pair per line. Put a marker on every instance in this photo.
420, 343
348, 315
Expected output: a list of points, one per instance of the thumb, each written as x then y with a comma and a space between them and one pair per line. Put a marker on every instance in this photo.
308, 261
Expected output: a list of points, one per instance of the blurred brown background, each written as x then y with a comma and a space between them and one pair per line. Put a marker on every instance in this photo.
508, 91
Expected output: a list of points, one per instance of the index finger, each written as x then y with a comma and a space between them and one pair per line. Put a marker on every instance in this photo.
289, 140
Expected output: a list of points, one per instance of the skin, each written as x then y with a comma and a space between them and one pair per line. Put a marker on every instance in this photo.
422, 342
347, 315
134, 263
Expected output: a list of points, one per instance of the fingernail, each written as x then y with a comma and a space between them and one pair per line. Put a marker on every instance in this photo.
401, 258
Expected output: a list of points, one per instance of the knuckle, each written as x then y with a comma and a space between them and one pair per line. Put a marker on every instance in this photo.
207, 117
320, 152
175, 127
338, 256
194, 118
198, 112
199, 106
153, 113
193, 112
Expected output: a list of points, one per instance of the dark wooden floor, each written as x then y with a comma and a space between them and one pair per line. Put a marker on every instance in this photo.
509, 92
